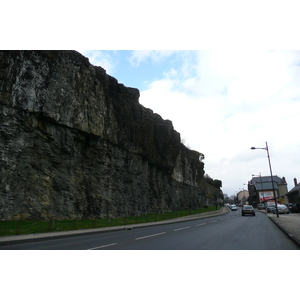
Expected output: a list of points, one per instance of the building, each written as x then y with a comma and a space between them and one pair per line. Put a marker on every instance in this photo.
294, 194
261, 189
243, 197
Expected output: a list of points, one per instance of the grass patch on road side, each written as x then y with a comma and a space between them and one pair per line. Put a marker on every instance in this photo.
42, 226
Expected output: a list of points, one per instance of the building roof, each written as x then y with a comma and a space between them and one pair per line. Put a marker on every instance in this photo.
263, 179
294, 189
265, 186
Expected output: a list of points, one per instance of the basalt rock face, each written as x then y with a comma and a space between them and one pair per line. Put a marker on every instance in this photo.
74, 143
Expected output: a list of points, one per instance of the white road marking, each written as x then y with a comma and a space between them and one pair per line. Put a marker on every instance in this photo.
103, 246
182, 228
213, 221
201, 224
147, 236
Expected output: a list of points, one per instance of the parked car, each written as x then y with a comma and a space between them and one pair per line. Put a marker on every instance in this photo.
261, 206
270, 208
293, 207
282, 209
233, 207
248, 209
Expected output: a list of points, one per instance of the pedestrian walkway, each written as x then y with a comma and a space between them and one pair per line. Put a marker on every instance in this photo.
289, 223
25, 238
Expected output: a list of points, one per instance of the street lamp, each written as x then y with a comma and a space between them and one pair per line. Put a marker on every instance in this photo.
266, 148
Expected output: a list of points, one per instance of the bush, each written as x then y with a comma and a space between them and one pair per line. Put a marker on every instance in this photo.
205, 206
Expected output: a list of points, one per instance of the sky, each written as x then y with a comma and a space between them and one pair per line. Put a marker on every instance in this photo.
222, 99
222, 102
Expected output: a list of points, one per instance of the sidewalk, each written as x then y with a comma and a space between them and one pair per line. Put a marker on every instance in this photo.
289, 224
26, 238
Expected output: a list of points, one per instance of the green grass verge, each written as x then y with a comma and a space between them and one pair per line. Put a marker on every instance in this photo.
42, 226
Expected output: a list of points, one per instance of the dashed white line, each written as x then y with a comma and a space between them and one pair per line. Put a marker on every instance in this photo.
103, 246
156, 234
182, 228
148, 236
200, 224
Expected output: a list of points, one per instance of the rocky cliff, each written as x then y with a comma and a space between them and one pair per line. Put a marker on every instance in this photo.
74, 143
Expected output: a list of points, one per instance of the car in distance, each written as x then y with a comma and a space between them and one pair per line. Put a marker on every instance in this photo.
282, 209
248, 209
233, 207
261, 206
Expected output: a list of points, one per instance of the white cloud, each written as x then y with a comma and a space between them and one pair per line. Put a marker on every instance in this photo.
222, 103
99, 58
231, 101
139, 56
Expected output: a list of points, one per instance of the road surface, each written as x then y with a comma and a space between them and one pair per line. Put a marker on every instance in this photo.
226, 232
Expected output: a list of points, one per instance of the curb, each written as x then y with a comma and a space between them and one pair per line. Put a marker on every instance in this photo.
290, 236
13, 240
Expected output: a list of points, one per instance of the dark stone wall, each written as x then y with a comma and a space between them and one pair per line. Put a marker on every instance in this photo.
74, 143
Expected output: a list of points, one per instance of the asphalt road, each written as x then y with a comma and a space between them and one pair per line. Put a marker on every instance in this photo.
226, 232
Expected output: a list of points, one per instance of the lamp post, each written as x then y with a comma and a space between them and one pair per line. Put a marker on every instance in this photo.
266, 148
